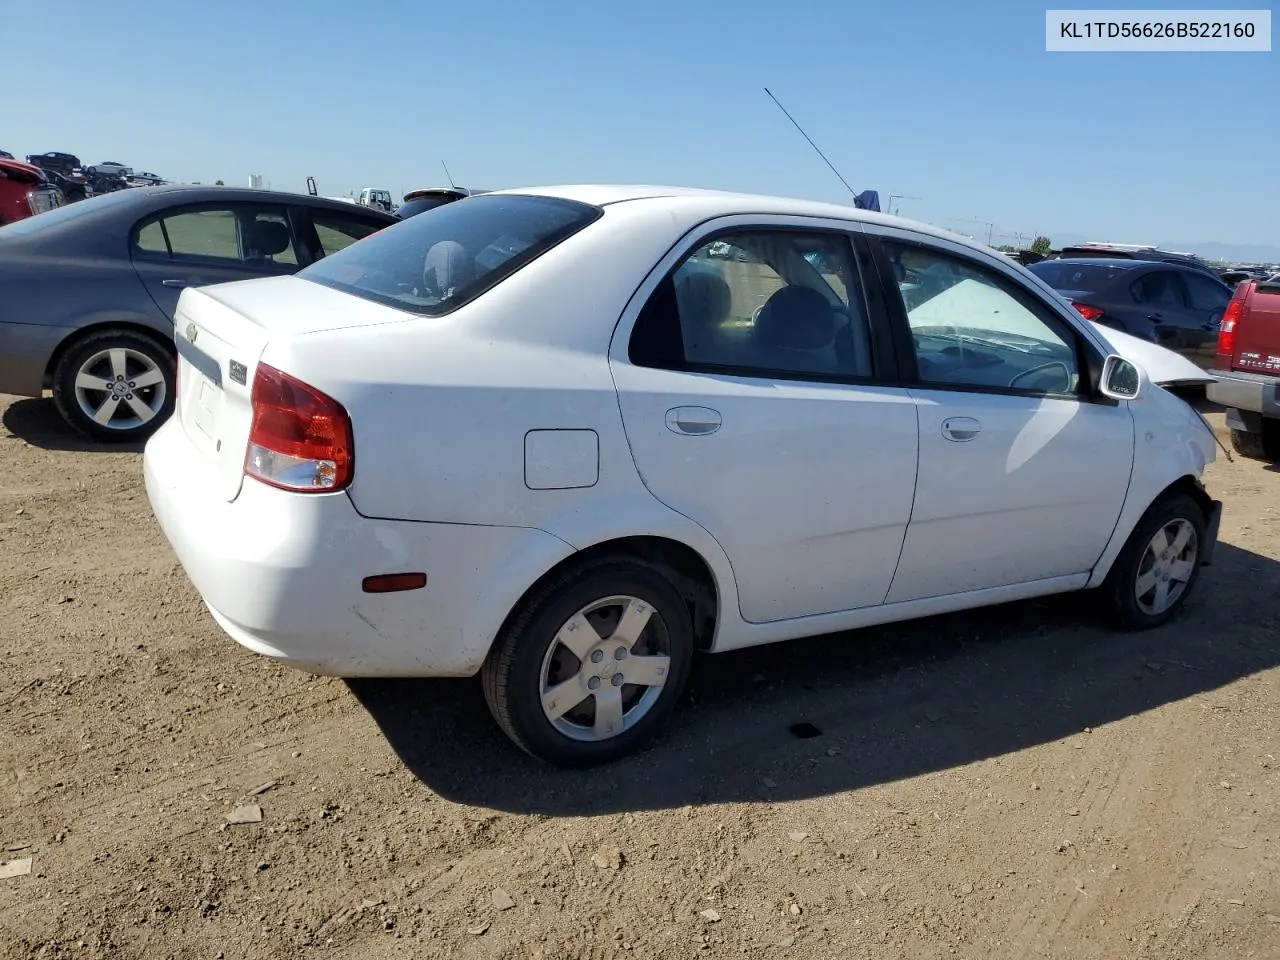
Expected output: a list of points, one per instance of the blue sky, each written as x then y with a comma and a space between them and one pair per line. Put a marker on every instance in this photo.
957, 104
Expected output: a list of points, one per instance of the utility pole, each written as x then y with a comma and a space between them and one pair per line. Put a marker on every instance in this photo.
987, 223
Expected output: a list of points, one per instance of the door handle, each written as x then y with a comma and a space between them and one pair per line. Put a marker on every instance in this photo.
1157, 317
960, 429
194, 281
693, 421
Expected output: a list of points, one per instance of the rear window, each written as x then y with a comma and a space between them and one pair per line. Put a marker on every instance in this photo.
1076, 276
437, 261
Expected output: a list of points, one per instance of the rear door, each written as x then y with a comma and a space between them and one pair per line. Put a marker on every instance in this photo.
1161, 293
1207, 299
1022, 473
200, 244
757, 390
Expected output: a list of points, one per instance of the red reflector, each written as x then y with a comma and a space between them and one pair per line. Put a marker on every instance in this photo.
1088, 311
393, 582
1227, 329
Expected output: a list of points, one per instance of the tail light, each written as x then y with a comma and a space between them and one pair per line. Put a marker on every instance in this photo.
1087, 310
1227, 329
300, 439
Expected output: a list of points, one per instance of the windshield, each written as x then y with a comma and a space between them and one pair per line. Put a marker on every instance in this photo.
64, 214
437, 261
1064, 275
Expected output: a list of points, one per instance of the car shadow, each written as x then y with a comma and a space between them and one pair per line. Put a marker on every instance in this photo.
829, 714
38, 422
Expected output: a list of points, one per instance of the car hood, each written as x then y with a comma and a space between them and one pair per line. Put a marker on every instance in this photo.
1160, 364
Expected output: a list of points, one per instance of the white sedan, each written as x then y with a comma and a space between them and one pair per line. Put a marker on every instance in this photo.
566, 437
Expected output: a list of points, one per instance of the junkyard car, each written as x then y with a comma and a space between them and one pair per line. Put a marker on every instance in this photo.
545, 437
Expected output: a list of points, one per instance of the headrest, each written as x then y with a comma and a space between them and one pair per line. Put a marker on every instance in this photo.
704, 298
269, 237
796, 318
448, 267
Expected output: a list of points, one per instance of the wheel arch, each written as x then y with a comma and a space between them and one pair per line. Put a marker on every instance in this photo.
77, 334
1186, 483
684, 566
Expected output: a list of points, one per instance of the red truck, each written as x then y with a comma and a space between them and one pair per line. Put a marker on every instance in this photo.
1247, 369
25, 191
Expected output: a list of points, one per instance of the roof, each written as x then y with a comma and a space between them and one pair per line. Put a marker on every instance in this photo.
1122, 262
718, 203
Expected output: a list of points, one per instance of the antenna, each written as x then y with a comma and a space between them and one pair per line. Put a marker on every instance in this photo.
447, 174
852, 193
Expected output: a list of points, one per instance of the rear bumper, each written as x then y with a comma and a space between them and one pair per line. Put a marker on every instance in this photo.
25, 349
1252, 392
281, 572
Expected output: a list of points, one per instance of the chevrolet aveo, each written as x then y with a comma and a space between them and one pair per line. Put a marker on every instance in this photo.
564, 438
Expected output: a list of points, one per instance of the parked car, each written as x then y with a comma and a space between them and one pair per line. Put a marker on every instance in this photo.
73, 188
25, 190
113, 169
1248, 369
143, 178
63, 163
536, 435
428, 198
1130, 251
1170, 304
90, 289
6, 155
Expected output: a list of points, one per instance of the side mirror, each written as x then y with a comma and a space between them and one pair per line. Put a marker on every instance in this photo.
1121, 379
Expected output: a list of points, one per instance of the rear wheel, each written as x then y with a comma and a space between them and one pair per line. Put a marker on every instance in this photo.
115, 385
1159, 564
592, 665
1258, 446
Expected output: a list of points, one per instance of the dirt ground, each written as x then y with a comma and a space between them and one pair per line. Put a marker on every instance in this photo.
1014, 783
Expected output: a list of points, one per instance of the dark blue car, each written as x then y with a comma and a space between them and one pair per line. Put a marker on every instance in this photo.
1175, 306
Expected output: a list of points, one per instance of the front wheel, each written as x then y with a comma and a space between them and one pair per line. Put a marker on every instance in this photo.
115, 385
1159, 564
592, 665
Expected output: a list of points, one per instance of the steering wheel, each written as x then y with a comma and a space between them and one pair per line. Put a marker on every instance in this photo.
1066, 373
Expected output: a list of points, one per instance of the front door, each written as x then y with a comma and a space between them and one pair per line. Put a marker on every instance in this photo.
1022, 476
755, 404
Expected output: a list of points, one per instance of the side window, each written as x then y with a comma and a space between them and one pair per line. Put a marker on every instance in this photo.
256, 238
1159, 288
971, 329
337, 231
1205, 294
762, 304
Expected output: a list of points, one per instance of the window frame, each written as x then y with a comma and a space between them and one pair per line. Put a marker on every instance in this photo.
237, 207
1088, 356
885, 369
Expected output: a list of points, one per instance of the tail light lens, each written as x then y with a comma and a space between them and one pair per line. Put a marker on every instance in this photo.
1227, 329
1087, 310
300, 438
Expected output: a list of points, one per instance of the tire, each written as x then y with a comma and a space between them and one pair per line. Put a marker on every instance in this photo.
529, 658
111, 357
1258, 446
1128, 605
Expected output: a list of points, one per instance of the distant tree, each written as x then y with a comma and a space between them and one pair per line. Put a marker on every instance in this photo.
1007, 248
219, 183
1041, 245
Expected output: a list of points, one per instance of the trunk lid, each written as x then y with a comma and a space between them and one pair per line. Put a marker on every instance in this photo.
221, 332
1257, 347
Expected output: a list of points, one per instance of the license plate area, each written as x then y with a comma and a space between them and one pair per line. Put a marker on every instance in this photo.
208, 404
